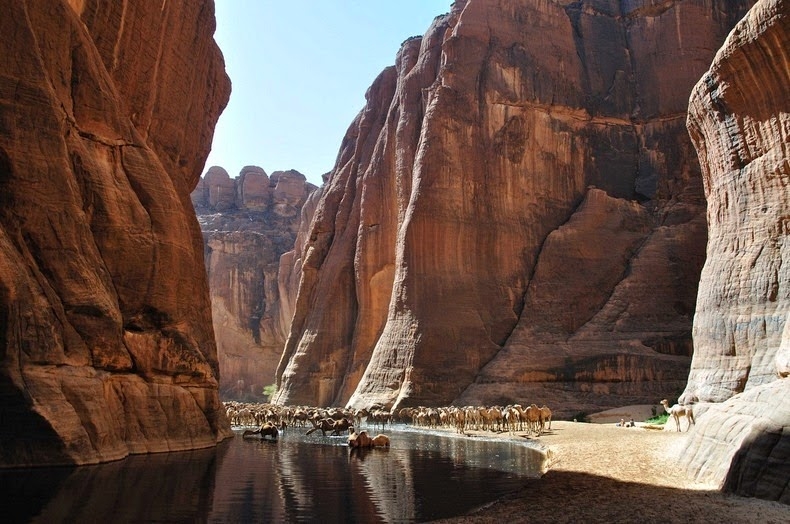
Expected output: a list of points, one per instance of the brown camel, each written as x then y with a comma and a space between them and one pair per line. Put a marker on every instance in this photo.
363, 440
330, 424
267, 429
678, 411
545, 414
533, 417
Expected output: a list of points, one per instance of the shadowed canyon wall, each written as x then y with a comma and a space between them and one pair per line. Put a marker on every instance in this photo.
248, 223
517, 214
107, 110
739, 119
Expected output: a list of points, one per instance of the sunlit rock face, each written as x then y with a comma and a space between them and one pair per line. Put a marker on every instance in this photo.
106, 347
248, 223
459, 253
739, 119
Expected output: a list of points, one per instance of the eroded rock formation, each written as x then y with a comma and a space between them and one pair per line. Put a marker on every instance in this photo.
739, 119
248, 223
106, 346
457, 254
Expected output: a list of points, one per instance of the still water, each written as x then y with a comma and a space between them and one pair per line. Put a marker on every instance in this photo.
298, 478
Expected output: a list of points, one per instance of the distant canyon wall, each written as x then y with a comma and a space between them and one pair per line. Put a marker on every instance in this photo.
248, 223
517, 214
739, 119
107, 110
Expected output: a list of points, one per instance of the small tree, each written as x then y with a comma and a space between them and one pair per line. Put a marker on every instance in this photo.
269, 391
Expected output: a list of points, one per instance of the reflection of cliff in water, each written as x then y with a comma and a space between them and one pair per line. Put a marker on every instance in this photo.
388, 481
245, 490
296, 478
173, 487
316, 483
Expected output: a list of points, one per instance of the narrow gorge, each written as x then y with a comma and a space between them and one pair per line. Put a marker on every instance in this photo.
582, 204
249, 223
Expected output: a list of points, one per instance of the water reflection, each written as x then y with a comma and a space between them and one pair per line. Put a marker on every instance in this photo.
174, 487
296, 479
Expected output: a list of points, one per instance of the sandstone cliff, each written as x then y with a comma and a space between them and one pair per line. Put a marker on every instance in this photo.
106, 346
739, 119
248, 223
457, 254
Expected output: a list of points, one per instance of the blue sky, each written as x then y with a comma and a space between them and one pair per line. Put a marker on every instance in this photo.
300, 69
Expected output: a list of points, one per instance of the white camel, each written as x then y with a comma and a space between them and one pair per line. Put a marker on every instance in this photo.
678, 411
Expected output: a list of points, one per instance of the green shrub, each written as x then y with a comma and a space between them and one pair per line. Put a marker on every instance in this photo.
270, 390
658, 419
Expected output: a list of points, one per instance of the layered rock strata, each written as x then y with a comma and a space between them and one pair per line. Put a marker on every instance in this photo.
248, 223
739, 119
106, 115
458, 254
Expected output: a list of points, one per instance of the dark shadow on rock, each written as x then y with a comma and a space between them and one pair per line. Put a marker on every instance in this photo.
761, 467
25, 436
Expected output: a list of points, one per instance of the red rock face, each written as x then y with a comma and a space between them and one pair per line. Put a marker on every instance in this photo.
245, 236
739, 121
457, 254
106, 346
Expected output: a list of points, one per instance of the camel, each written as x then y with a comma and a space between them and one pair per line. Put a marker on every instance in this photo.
678, 411
363, 440
381, 441
330, 424
533, 417
267, 429
545, 413
512, 415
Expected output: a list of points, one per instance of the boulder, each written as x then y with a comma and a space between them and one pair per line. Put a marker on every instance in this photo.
221, 189
255, 193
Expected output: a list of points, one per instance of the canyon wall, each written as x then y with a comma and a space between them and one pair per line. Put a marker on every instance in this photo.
248, 223
516, 215
107, 110
739, 120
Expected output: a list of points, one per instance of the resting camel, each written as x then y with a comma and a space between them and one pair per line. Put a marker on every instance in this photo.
678, 411
363, 440
267, 429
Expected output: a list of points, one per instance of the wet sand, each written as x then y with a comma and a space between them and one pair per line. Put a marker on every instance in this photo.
606, 473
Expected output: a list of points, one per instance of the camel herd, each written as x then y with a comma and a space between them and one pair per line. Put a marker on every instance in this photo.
532, 419
270, 419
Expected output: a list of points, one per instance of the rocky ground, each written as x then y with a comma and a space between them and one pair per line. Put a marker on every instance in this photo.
602, 472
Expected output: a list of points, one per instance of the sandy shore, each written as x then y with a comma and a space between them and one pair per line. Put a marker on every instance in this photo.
605, 473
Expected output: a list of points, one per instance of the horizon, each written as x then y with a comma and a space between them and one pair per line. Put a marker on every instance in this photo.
299, 76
